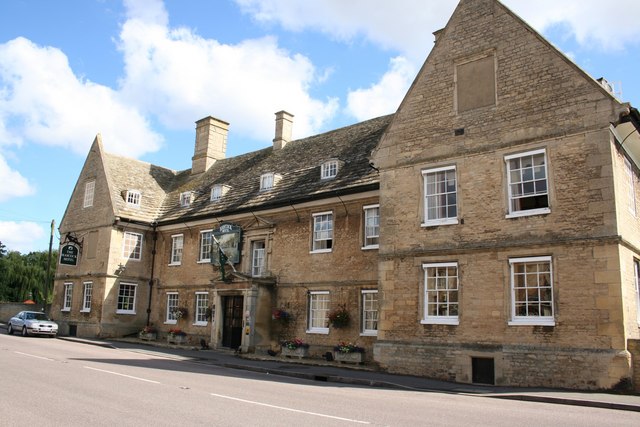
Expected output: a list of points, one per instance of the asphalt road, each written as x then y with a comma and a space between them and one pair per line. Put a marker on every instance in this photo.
50, 382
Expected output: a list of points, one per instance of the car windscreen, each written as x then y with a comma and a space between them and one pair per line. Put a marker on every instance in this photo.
38, 316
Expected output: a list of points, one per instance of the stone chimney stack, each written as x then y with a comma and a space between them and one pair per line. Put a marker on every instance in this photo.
284, 124
211, 143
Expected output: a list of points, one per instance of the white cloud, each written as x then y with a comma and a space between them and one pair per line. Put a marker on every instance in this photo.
13, 183
42, 101
178, 76
383, 97
594, 24
402, 25
20, 236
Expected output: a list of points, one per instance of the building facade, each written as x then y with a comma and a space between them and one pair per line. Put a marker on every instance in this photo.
509, 231
486, 232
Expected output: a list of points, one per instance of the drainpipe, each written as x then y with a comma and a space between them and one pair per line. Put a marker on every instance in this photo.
154, 224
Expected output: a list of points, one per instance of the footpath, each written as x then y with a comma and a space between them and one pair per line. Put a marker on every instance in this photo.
363, 375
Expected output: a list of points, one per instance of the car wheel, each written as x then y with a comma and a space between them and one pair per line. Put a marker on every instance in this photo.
24, 331
10, 329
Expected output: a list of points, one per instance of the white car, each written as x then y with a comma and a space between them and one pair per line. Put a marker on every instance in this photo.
32, 323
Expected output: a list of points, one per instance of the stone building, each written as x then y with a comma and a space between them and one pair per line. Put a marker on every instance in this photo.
298, 222
509, 235
486, 232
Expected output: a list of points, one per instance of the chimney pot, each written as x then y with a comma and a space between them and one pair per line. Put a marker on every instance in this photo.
284, 124
211, 143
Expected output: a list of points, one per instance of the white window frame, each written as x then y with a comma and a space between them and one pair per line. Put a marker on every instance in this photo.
89, 192
67, 298
631, 185
513, 212
322, 238
205, 236
329, 169
121, 297
186, 198
371, 232
134, 198
318, 305
258, 258
539, 320
132, 246
435, 199
86, 297
267, 181
218, 191
451, 285
177, 246
369, 312
172, 303
200, 309
636, 280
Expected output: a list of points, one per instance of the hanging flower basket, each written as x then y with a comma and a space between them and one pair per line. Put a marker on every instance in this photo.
339, 318
180, 312
280, 316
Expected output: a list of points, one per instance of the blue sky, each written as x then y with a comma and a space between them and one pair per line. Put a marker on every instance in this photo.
141, 72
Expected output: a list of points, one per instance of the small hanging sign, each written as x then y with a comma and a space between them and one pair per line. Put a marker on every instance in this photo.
69, 254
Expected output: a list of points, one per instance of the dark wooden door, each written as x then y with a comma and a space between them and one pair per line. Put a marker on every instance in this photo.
232, 321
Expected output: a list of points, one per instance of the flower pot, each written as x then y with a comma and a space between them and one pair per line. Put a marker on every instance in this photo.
299, 352
148, 336
176, 339
351, 357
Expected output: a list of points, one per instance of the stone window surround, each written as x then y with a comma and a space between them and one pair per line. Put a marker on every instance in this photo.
200, 309
127, 294
86, 297
318, 303
172, 302
89, 191
367, 294
442, 219
322, 239
536, 320
512, 212
366, 228
441, 319
132, 250
205, 246
176, 249
67, 296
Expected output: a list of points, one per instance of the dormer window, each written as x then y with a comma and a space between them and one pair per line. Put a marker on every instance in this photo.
186, 198
329, 169
217, 191
133, 198
269, 180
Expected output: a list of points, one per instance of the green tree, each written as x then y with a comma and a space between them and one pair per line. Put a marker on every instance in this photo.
24, 277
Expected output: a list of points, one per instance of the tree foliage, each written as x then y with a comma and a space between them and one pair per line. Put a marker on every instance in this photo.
24, 277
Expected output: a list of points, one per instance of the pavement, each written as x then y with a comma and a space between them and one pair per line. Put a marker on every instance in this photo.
365, 375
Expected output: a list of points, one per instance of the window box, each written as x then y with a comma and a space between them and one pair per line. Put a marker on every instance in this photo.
148, 336
351, 357
176, 339
298, 352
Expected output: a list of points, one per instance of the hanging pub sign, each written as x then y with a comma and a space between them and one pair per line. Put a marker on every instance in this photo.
69, 254
226, 239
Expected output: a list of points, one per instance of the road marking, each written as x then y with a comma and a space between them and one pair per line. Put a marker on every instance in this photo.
289, 409
33, 355
123, 375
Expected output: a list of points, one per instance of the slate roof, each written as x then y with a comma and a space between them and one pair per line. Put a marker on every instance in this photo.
298, 163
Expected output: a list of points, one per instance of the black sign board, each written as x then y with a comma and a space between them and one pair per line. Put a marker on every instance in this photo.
229, 237
69, 254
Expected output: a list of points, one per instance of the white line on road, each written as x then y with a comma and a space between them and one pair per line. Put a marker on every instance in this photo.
33, 355
123, 375
289, 409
